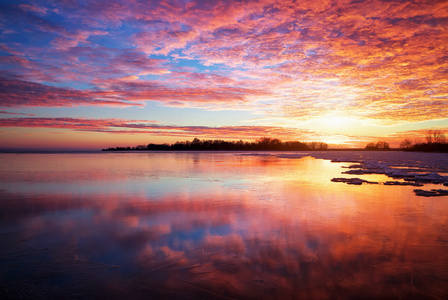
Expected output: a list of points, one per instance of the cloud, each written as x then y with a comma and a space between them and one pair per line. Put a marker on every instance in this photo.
375, 60
32, 8
121, 126
88, 65
164, 41
8, 50
381, 61
202, 94
18, 93
14, 113
189, 89
72, 39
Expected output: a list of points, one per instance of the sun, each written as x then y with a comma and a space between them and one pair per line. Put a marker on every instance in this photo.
335, 124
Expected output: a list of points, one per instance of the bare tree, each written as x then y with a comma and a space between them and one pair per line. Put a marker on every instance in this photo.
312, 145
428, 137
435, 136
406, 144
439, 137
323, 146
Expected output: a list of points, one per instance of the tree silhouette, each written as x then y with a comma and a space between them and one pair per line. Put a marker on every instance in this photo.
262, 144
435, 136
406, 144
381, 145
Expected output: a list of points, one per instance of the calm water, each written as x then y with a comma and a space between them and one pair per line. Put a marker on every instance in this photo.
212, 225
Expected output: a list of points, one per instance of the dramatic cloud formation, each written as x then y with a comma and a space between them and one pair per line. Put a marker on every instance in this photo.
150, 127
119, 126
17, 93
383, 63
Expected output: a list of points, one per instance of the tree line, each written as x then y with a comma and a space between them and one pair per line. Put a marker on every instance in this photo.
435, 142
263, 144
381, 145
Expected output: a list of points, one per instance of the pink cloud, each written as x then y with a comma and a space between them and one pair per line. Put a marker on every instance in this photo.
17, 93
376, 60
120, 126
164, 41
33, 8
72, 39
10, 50
14, 113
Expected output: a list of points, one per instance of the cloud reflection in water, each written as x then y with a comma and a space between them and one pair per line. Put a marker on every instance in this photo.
232, 226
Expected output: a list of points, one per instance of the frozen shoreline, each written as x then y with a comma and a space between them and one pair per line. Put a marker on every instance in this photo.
405, 168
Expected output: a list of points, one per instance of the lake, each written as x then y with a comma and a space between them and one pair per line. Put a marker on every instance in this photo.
204, 225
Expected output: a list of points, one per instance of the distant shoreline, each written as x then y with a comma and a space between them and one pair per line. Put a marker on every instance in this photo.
93, 151
268, 150
273, 144
262, 144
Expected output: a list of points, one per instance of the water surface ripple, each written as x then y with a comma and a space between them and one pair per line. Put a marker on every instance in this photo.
214, 226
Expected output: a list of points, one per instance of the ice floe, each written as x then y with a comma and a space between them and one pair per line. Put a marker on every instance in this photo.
343, 160
402, 183
431, 193
431, 178
411, 168
355, 181
293, 156
414, 169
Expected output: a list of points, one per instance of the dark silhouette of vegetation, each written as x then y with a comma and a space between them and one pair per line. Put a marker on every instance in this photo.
435, 137
381, 145
435, 142
425, 147
406, 144
263, 144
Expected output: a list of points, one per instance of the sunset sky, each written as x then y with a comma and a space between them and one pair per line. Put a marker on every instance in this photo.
97, 74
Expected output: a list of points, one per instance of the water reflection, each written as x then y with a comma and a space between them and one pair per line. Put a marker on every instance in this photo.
228, 226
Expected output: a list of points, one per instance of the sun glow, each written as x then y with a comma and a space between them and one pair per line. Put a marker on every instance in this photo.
334, 124
340, 141
362, 80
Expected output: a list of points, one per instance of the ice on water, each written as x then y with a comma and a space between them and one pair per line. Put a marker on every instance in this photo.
406, 168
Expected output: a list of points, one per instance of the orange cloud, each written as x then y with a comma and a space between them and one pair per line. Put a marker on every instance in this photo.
120, 126
383, 61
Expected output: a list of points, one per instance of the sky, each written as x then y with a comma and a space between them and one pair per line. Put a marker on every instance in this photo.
96, 74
